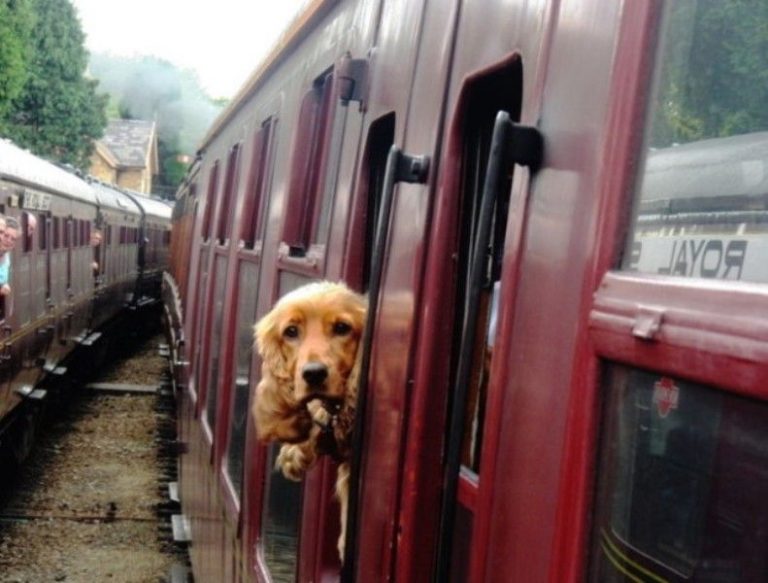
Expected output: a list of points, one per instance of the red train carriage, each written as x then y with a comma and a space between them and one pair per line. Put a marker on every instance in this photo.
568, 348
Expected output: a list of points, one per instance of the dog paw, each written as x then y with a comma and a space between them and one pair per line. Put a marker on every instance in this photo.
318, 412
340, 547
293, 462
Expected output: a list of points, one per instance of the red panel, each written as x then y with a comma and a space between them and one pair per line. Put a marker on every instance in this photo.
539, 335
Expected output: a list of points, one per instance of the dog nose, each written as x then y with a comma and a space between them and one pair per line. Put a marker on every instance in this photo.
314, 373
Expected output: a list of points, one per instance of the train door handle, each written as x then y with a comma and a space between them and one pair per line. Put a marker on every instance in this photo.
400, 167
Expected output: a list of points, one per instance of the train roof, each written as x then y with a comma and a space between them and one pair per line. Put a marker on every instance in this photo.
296, 31
19, 165
152, 207
115, 199
720, 168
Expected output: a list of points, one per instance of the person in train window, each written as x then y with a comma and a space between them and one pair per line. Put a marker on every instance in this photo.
11, 235
95, 242
31, 224
5, 262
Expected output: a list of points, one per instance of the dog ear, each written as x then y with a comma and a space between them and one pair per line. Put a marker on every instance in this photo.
278, 417
267, 334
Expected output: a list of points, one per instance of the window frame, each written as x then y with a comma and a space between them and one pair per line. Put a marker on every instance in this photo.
227, 200
298, 251
258, 186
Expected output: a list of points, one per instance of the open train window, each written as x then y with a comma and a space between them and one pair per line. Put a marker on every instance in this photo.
27, 238
210, 201
226, 211
42, 221
258, 185
381, 137
484, 101
282, 502
481, 102
305, 191
56, 232
67, 232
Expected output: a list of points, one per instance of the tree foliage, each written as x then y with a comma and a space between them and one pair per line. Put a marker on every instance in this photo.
58, 113
714, 78
15, 28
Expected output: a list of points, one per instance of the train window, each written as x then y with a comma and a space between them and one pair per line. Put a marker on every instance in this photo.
306, 171
381, 139
280, 522
27, 232
219, 279
56, 232
67, 232
226, 212
331, 164
472, 353
702, 198
42, 221
281, 512
258, 185
682, 482
245, 318
210, 201
482, 105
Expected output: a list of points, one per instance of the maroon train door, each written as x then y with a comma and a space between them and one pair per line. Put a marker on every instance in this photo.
494, 69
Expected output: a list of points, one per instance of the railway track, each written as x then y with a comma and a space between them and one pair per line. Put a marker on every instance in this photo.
92, 504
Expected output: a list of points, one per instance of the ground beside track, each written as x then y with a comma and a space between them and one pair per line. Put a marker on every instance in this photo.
89, 505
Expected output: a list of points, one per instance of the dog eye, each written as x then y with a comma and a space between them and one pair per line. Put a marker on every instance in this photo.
341, 328
291, 332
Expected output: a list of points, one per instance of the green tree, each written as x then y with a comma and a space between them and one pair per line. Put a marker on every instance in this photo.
15, 27
58, 113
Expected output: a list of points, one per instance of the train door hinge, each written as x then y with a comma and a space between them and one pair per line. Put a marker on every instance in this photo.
353, 79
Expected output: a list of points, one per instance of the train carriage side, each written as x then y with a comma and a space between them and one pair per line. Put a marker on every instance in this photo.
113, 246
50, 300
152, 244
275, 146
176, 279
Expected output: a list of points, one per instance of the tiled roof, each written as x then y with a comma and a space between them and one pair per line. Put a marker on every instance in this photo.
129, 141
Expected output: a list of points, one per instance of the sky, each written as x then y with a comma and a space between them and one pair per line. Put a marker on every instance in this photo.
222, 40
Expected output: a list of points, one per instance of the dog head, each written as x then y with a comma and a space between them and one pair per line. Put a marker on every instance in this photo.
309, 340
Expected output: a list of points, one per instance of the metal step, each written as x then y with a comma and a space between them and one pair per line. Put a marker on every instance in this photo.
31, 393
122, 388
180, 574
182, 533
91, 339
173, 491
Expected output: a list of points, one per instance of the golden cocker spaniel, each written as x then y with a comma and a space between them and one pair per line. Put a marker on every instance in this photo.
306, 398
